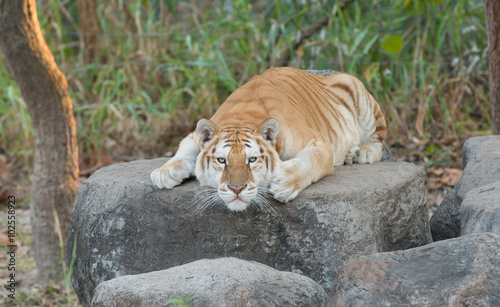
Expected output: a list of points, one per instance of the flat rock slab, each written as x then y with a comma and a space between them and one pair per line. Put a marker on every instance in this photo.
480, 210
481, 156
123, 225
457, 272
224, 282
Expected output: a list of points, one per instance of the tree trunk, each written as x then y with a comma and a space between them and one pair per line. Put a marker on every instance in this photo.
492, 14
88, 22
45, 91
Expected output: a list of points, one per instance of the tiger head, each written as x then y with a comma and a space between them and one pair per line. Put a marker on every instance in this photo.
237, 162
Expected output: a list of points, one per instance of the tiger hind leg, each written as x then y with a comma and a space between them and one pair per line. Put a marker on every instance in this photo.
352, 155
373, 132
369, 152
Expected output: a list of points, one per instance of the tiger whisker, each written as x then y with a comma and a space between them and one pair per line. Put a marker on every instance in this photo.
209, 203
208, 198
262, 201
205, 199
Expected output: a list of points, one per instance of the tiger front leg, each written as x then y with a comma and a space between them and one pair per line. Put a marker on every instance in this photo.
308, 166
179, 168
286, 183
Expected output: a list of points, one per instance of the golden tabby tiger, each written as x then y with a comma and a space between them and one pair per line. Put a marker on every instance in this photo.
280, 132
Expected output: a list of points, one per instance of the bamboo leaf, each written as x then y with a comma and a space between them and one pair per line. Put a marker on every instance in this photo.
392, 43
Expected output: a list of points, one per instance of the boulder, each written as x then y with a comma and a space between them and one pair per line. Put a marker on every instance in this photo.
457, 272
123, 225
324, 73
386, 154
480, 210
221, 282
481, 156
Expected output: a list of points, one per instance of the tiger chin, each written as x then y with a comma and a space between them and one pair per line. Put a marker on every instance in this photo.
276, 135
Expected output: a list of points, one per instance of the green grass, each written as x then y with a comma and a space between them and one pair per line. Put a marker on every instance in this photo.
176, 302
170, 63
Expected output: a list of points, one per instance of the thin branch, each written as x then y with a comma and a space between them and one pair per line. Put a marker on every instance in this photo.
286, 53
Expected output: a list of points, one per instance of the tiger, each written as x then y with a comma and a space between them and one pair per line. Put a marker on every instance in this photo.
277, 134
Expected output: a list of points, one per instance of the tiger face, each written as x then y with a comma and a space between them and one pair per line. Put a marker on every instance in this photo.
239, 163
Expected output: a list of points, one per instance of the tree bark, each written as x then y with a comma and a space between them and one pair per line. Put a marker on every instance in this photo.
45, 92
492, 16
88, 22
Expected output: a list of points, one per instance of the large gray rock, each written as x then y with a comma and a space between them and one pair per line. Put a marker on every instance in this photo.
457, 272
324, 73
480, 210
386, 154
224, 282
124, 225
481, 156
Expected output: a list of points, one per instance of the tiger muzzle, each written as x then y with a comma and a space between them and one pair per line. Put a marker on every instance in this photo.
237, 189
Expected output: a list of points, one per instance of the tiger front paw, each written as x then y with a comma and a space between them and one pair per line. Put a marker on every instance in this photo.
285, 186
171, 173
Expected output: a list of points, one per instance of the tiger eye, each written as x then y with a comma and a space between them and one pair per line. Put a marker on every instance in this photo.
221, 160
252, 159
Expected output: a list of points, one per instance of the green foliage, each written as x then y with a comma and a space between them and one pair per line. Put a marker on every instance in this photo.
392, 43
70, 271
180, 302
161, 65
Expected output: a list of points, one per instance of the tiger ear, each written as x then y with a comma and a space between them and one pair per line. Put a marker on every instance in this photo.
206, 129
269, 129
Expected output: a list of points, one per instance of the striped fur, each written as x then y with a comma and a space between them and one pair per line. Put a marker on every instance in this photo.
282, 131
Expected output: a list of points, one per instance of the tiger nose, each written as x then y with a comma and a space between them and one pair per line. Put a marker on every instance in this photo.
237, 189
